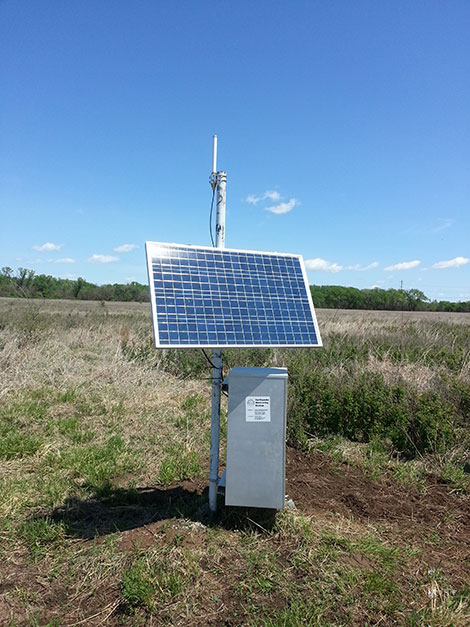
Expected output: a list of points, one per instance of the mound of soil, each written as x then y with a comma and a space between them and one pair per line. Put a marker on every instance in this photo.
320, 486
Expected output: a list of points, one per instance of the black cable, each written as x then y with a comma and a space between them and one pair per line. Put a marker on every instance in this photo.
210, 216
207, 357
213, 245
212, 365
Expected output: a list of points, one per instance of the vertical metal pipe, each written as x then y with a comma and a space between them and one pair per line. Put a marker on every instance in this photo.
221, 180
220, 218
215, 428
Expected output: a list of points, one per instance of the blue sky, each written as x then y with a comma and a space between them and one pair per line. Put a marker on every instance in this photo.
344, 129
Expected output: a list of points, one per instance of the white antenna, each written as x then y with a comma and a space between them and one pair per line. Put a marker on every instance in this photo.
214, 154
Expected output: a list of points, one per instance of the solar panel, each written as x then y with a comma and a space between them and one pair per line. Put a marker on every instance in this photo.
211, 297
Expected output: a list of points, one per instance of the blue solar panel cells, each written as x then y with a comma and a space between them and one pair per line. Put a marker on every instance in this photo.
216, 297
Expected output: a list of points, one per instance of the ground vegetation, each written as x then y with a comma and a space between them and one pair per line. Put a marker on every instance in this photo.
104, 448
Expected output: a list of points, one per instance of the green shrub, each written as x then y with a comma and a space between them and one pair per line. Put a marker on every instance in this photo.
461, 393
363, 406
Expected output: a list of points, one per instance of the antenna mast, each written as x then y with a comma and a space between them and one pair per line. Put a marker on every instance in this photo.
218, 182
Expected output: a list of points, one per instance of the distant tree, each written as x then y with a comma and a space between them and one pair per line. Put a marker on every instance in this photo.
78, 285
24, 278
44, 286
415, 299
7, 284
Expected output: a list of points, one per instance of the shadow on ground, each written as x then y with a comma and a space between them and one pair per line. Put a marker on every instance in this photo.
122, 510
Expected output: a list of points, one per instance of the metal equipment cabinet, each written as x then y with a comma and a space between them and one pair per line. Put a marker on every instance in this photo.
256, 437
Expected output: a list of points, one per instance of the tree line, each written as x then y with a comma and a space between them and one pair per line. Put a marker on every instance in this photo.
27, 284
340, 297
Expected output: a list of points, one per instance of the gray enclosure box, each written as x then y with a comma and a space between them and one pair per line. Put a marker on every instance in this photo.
256, 437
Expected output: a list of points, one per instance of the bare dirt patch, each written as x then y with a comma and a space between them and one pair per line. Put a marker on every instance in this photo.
406, 514
314, 482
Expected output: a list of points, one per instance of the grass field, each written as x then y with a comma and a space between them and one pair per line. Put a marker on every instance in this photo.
104, 448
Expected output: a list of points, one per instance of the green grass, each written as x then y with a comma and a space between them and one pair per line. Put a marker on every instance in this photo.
95, 466
137, 587
41, 535
15, 444
154, 579
456, 476
330, 574
178, 464
71, 428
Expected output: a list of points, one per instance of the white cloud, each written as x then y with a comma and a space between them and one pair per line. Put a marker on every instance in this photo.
125, 248
251, 199
47, 247
403, 265
282, 207
452, 263
445, 224
97, 258
322, 264
269, 194
64, 260
358, 268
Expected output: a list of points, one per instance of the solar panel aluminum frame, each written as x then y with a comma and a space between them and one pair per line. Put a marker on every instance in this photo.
150, 248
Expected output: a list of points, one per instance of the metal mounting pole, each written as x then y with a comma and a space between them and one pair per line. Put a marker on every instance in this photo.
218, 180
